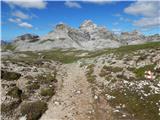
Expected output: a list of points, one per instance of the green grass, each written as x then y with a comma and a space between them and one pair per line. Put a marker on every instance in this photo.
143, 109
106, 70
121, 51
61, 56
89, 75
71, 55
8, 47
140, 72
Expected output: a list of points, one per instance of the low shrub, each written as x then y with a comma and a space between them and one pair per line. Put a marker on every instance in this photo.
47, 92
10, 75
15, 92
33, 110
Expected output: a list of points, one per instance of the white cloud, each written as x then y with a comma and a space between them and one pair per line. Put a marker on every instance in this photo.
72, 4
20, 14
20, 23
38, 4
149, 10
100, 2
145, 8
25, 25
16, 20
148, 22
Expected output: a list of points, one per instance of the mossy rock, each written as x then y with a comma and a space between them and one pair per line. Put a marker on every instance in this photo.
33, 110
10, 75
15, 92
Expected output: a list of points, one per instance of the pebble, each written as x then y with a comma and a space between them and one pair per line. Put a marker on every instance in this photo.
56, 103
95, 97
78, 92
116, 111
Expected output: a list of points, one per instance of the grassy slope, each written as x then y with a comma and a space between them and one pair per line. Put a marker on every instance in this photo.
71, 55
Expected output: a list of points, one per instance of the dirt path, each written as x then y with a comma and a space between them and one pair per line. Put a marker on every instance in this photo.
73, 100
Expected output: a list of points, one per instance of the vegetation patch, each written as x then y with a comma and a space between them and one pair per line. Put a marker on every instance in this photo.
61, 56
90, 70
8, 47
33, 86
140, 72
106, 70
10, 75
7, 108
15, 92
33, 110
47, 78
47, 92
123, 50
142, 109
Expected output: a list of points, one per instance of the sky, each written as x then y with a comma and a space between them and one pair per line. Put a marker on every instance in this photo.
39, 17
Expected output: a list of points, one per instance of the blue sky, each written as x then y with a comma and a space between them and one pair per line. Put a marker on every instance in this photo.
40, 17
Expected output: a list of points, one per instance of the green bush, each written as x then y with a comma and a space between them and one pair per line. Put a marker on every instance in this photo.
33, 86
47, 92
10, 75
15, 92
47, 78
33, 110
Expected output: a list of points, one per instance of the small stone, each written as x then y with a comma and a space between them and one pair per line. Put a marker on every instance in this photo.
95, 97
78, 92
116, 111
56, 103
23, 118
123, 115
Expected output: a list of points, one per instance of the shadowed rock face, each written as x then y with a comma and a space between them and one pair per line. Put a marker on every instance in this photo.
27, 37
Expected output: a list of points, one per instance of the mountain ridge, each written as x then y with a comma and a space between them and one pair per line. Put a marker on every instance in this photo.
88, 36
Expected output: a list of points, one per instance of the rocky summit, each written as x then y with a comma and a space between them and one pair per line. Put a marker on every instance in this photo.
89, 36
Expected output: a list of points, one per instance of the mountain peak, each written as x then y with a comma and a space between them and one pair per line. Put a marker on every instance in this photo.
88, 24
61, 26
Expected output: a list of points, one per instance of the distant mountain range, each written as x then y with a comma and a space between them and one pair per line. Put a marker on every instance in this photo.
89, 36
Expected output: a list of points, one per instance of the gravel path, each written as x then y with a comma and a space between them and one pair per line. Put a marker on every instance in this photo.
73, 99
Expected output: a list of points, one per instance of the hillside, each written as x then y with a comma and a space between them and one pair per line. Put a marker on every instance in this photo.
63, 84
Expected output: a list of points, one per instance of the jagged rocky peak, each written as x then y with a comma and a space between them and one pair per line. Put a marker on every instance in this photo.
62, 27
88, 25
27, 37
134, 32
